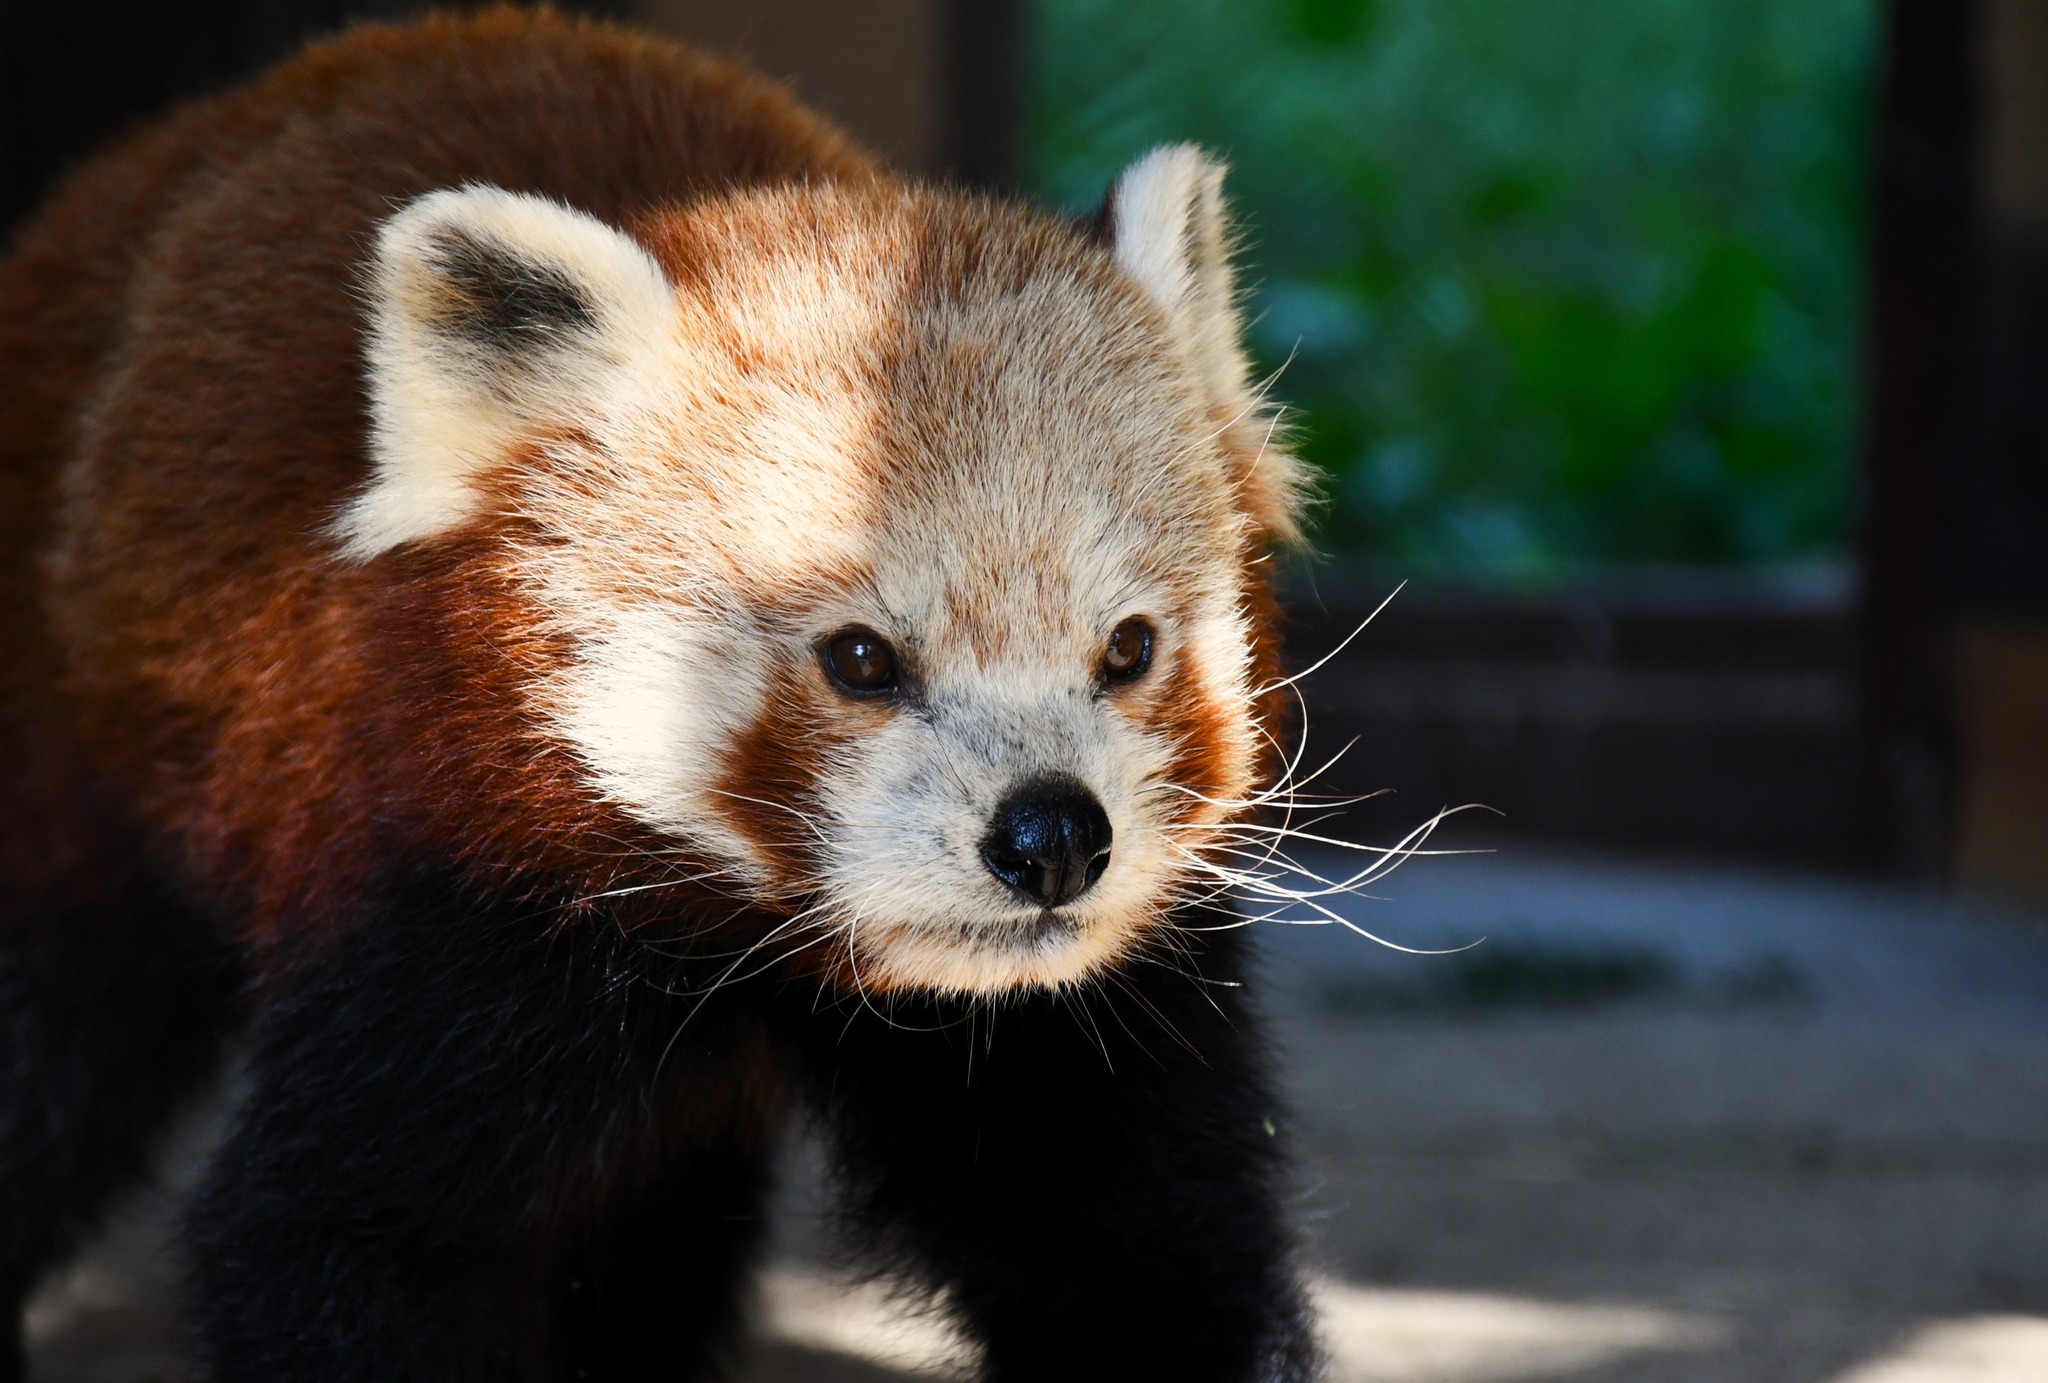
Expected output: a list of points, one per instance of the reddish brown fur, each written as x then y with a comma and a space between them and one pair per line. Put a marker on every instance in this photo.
769, 772
252, 698
1190, 720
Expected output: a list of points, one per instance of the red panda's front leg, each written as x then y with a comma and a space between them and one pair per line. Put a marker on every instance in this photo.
117, 997
483, 1145
1092, 1177
114, 1009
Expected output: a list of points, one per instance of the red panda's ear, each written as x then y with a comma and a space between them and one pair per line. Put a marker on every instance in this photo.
492, 315
1165, 223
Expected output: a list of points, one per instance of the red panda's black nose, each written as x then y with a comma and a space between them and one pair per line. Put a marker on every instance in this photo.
1049, 841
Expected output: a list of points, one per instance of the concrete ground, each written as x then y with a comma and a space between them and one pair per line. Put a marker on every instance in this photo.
1667, 1124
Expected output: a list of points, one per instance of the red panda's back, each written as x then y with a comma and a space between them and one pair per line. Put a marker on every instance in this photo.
181, 409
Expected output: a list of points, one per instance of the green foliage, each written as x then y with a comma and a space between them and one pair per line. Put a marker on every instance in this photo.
1555, 281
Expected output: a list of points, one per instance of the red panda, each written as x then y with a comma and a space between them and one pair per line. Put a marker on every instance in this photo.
584, 615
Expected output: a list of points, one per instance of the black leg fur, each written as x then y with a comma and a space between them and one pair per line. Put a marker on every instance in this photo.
114, 1008
485, 1145
654, 1291
482, 1145
1094, 1178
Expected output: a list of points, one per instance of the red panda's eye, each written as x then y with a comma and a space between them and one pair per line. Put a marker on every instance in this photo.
861, 661
1129, 651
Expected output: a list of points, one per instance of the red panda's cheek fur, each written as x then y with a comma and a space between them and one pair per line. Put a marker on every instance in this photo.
459, 650
1208, 768
1273, 703
456, 648
767, 787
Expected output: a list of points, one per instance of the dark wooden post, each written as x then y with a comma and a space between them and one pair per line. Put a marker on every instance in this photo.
930, 84
988, 42
2000, 820
1922, 268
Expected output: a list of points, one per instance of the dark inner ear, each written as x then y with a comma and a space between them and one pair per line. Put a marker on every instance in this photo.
503, 300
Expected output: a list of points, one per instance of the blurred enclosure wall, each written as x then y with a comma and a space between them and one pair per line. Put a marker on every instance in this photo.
1734, 539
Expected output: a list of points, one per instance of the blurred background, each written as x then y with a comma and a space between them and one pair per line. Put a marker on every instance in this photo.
1688, 361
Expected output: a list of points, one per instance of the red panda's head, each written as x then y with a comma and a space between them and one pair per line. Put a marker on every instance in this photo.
902, 543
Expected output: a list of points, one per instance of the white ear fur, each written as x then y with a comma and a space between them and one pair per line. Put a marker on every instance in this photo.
492, 313
1169, 230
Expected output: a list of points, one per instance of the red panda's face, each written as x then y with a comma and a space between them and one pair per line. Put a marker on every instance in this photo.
900, 544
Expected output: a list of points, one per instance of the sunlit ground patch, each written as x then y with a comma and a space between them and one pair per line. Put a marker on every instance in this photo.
866, 1321
1374, 1335
1979, 1349
1402, 1335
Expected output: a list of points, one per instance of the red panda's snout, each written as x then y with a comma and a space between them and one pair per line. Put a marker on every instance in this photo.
1049, 842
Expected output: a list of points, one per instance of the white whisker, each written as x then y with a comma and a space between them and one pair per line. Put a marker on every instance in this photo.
1319, 663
